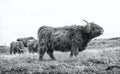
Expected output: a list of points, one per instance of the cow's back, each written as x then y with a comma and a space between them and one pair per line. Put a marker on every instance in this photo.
12, 45
45, 32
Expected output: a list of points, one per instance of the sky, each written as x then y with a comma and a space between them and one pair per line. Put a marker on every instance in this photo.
22, 18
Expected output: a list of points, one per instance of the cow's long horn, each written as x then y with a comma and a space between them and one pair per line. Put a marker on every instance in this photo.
86, 22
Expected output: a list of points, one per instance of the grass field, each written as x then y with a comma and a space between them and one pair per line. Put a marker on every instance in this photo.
102, 56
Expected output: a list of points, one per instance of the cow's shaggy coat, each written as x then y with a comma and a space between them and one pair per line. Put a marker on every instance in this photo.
16, 47
69, 38
32, 46
24, 40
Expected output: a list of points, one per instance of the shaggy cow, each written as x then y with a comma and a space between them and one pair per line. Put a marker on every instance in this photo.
69, 38
16, 47
24, 40
32, 46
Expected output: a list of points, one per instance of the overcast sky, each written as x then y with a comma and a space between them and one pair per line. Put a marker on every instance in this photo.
22, 18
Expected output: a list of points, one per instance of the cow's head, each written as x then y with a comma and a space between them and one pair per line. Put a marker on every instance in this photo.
93, 30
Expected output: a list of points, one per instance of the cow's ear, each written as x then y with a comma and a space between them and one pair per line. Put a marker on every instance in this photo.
87, 28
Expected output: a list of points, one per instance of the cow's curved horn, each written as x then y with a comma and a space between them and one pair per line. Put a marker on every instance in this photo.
86, 22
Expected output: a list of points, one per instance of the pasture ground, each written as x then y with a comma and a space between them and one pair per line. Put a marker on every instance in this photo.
100, 57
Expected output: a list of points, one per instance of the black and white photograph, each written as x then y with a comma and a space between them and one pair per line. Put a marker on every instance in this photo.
59, 37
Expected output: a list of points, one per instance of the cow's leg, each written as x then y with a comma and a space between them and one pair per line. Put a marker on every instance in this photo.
21, 51
42, 47
29, 49
15, 51
32, 50
42, 51
74, 50
74, 53
10, 51
50, 53
71, 54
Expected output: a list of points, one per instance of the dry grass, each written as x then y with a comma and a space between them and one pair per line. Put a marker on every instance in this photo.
89, 61
104, 59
